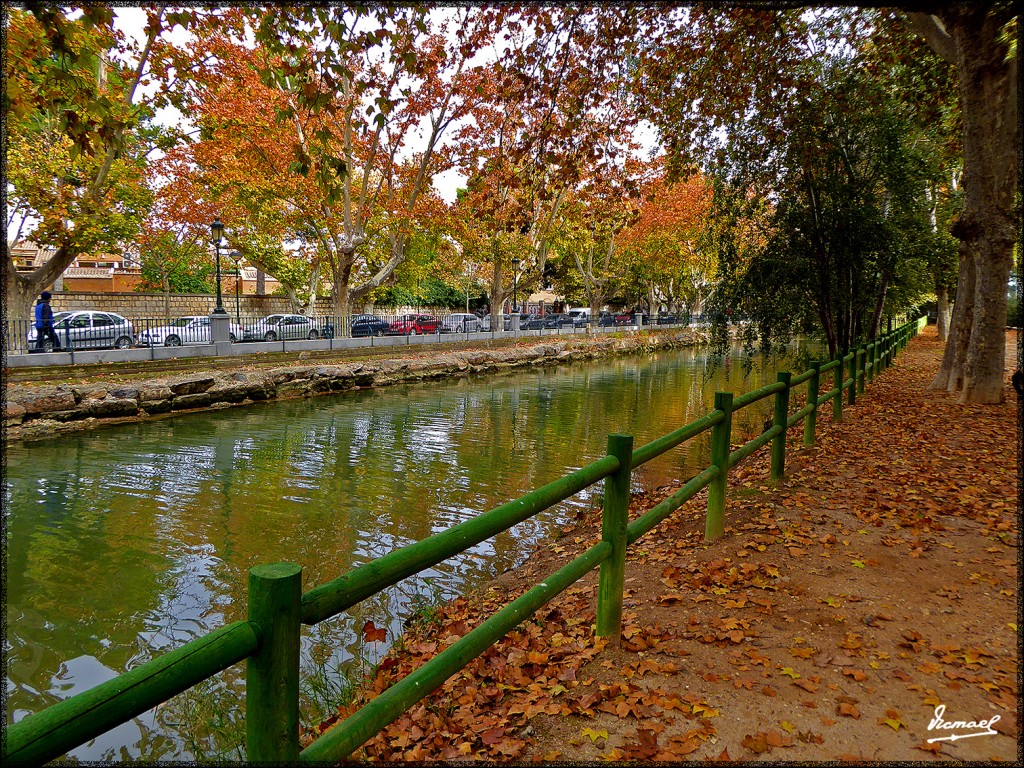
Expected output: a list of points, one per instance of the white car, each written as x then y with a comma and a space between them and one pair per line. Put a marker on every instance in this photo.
460, 323
193, 329
81, 329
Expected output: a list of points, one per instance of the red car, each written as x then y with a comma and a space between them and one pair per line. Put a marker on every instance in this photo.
411, 325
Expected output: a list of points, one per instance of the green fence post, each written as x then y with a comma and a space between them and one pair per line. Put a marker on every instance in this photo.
613, 530
862, 358
810, 423
714, 524
852, 394
272, 673
837, 401
781, 414
869, 361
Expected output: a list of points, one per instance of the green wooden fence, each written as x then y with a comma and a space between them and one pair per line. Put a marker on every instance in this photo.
269, 639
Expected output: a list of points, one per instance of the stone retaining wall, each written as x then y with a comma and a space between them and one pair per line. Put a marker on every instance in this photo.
33, 412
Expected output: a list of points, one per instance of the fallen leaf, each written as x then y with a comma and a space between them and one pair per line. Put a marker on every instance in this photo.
848, 710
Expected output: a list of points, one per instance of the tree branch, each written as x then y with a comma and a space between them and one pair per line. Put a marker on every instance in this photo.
931, 29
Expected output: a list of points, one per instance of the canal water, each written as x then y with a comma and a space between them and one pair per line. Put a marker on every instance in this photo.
127, 541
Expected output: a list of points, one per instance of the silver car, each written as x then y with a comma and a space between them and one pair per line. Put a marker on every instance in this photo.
274, 327
86, 329
461, 323
485, 324
193, 329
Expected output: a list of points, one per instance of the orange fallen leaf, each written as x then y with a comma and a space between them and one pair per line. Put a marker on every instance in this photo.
848, 710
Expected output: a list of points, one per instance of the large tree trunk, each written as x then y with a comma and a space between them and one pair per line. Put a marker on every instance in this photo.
988, 90
20, 295
969, 38
951, 372
942, 311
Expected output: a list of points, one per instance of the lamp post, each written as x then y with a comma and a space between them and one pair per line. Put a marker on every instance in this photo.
237, 258
217, 232
515, 285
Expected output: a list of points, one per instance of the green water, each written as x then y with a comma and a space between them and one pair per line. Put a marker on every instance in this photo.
127, 541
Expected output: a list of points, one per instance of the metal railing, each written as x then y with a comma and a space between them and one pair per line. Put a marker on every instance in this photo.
269, 639
79, 331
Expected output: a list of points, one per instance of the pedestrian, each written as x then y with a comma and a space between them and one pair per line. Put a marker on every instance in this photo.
44, 323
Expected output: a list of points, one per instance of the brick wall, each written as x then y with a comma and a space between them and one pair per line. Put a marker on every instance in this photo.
156, 305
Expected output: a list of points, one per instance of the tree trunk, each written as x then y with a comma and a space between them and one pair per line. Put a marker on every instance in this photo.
986, 228
21, 290
950, 375
497, 293
261, 283
942, 311
20, 295
876, 316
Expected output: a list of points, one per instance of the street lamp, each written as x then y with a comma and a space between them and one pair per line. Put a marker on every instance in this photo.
217, 232
237, 258
515, 285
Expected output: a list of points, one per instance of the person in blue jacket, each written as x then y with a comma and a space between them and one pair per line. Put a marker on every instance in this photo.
44, 322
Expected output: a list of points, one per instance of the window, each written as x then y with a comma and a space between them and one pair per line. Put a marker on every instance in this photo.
102, 320
80, 321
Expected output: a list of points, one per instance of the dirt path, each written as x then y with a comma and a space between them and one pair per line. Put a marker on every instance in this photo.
838, 612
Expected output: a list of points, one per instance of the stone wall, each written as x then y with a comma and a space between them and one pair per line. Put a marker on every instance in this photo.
36, 411
156, 305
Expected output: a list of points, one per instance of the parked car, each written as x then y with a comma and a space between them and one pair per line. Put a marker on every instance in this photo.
531, 322
86, 329
193, 329
580, 314
369, 325
559, 321
411, 325
625, 318
485, 323
460, 323
666, 319
274, 327
606, 319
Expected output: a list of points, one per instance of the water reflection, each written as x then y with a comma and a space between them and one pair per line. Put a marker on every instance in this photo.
128, 541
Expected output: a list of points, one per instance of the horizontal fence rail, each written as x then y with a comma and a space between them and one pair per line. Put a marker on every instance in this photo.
81, 330
269, 639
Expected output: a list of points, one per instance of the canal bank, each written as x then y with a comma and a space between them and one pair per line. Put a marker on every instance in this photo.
125, 394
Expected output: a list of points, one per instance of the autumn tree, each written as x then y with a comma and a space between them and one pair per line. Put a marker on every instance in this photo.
554, 120
664, 243
336, 116
75, 157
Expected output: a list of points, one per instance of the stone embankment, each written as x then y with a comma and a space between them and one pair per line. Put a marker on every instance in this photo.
39, 411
